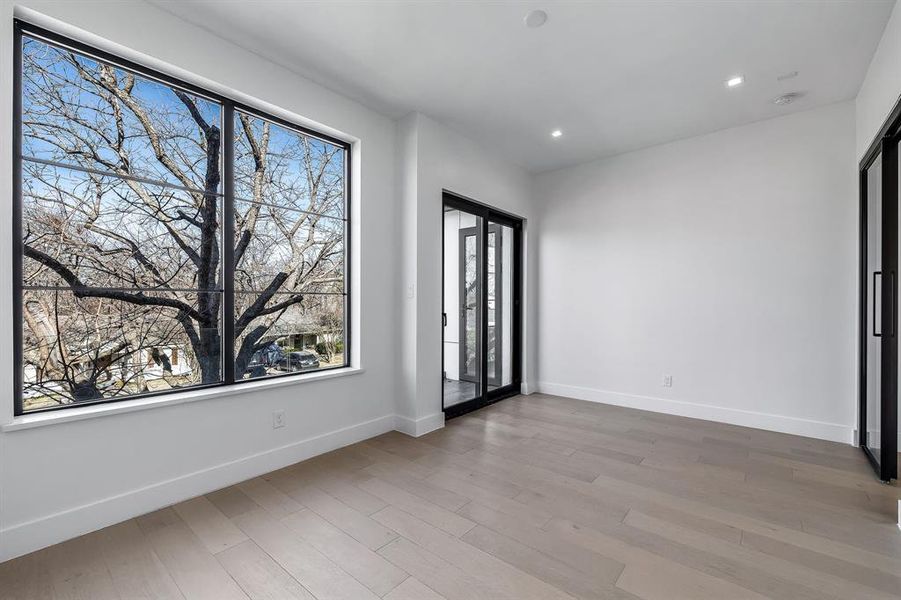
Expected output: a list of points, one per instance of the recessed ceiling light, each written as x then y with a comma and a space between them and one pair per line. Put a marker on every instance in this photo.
735, 81
556, 133
536, 18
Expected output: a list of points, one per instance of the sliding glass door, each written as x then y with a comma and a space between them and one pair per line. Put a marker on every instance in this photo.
481, 334
462, 306
878, 392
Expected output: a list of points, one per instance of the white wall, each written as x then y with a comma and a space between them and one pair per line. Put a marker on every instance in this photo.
62, 480
881, 88
727, 261
407, 159
443, 159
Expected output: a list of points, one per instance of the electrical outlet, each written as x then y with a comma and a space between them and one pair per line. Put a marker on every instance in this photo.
278, 419
667, 381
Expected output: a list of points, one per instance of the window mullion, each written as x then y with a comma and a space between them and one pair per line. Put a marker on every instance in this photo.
228, 244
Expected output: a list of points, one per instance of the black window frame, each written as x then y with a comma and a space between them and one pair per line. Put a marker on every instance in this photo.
229, 107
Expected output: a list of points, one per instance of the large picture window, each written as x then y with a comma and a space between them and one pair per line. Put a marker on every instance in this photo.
166, 237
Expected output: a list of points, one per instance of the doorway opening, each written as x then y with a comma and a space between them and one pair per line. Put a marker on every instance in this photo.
482, 305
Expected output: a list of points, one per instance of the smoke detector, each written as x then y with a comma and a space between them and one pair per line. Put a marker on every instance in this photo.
786, 98
536, 18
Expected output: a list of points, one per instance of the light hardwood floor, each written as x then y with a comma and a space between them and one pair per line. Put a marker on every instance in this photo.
533, 498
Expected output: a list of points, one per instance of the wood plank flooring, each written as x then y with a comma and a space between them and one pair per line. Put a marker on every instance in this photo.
535, 498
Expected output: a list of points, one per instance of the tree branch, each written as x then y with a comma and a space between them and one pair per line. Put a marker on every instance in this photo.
259, 305
209, 249
80, 290
192, 108
279, 306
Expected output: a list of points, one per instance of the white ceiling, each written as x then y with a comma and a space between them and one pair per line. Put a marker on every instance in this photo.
614, 76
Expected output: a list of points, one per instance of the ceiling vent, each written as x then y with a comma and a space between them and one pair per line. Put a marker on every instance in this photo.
786, 98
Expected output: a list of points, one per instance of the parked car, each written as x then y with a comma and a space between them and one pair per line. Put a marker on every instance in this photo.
256, 371
266, 356
303, 360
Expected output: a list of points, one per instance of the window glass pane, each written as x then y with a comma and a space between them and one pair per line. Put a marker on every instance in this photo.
89, 349
82, 111
121, 238
294, 251
289, 250
305, 334
279, 166
110, 232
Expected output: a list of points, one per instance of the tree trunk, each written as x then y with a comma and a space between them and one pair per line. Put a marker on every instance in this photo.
209, 355
248, 348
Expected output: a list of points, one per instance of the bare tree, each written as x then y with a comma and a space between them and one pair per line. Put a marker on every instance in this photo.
95, 351
136, 221
329, 330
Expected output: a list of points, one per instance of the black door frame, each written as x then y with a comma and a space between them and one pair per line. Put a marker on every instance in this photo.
886, 145
464, 304
494, 216
498, 296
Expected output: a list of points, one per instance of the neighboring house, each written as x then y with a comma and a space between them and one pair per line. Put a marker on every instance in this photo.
150, 363
156, 360
304, 341
298, 335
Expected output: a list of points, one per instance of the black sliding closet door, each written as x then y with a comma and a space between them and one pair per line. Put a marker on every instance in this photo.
482, 300
878, 393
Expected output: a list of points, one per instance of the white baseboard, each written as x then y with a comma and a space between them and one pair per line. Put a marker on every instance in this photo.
33, 535
421, 426
805, 427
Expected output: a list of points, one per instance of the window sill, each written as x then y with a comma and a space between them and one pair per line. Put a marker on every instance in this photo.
45, 419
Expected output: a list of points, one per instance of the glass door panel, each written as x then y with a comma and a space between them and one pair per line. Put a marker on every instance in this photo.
500, 305
462, 307
470, 303
493, 298
878, 408
872, 438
